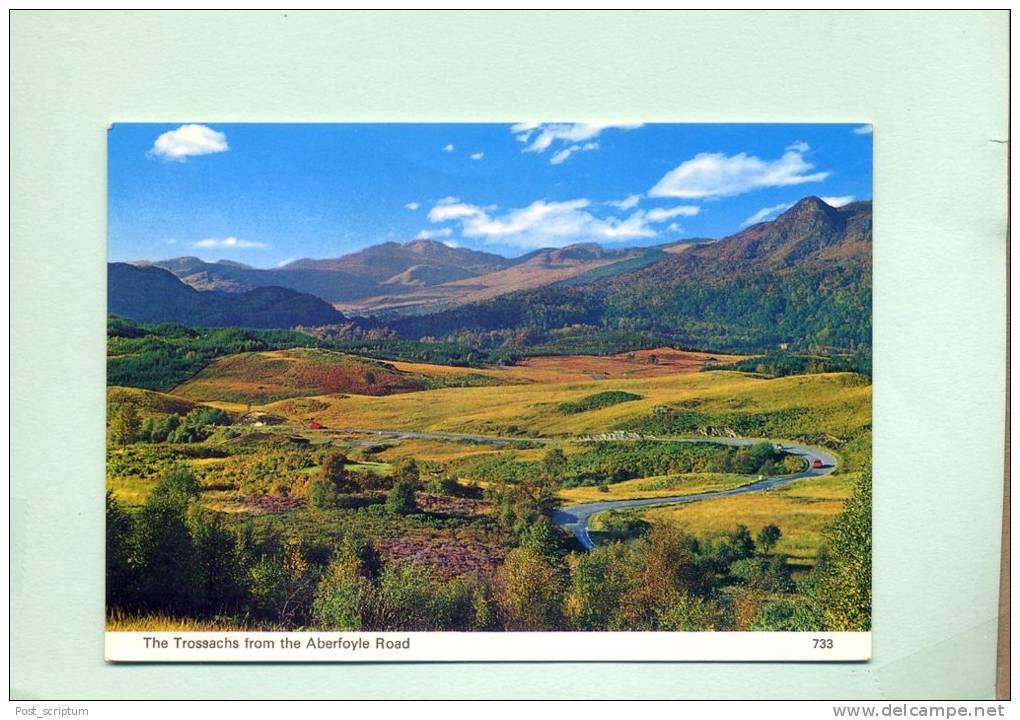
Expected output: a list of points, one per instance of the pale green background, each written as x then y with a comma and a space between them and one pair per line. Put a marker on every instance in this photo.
933, 84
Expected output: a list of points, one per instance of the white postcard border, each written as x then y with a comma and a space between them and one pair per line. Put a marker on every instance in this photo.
486, 646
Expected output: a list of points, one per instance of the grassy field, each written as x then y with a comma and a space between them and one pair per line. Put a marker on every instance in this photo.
801, 510
605, 415
655, 486
836, 404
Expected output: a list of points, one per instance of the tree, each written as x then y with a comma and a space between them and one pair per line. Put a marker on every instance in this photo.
544, 538
400, 500
125, 424
553, 465
407, 599
767, 573
345, 595
844, 588
528, 592
120, 580
333, 482
598, 581
406, 471
170, 578
667, 566
768, 536
222, 568
741, 542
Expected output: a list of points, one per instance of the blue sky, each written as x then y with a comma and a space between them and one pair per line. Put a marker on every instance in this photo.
264, 194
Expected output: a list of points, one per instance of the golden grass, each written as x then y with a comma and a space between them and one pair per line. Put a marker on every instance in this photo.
841, 405
639, 488
117, 621
801, 510
148, 402
130, 489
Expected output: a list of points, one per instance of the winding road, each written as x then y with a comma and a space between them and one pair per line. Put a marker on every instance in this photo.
574, 518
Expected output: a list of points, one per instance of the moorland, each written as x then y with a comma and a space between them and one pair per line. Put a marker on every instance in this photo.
368, 444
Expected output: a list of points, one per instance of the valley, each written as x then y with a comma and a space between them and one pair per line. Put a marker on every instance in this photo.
422, 437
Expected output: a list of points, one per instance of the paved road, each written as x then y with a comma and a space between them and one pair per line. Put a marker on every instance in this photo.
574, 518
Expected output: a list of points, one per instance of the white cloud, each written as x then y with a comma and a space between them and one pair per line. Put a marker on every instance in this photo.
541, 224
674, 227
451, 244
627, 203
430, 234
229, 242
412, 205
567, 152
838, 200
521, 131
477, 155
189, 140
712, 175
561, 156
539, 137
448, 148
450, 208
798, 147
660, 214
282, 263
766, 212
862, 130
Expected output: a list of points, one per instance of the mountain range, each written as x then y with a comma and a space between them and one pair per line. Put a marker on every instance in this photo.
152, 294
803, 277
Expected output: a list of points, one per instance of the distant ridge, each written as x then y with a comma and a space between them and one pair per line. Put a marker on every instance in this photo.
152, 294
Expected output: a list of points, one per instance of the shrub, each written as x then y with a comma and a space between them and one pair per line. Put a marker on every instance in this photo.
787, 615
120, 550
327, 490
598, 581
528, 592
844, 588
618, 525
597, 401
771, 574
768, 536
401, 500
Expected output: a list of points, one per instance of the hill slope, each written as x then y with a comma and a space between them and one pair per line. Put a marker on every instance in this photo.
152, 294
535, 269
261, 377
386, 268
803, 279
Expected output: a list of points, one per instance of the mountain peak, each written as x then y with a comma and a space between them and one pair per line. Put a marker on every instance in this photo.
810, 214
424, 243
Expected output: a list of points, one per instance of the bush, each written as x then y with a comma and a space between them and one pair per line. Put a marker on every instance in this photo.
788, 615
598, 582
528, 592
343, 599
401, 500
768, 536
406, 471
597, 401
844, 586
771, 574
619, 525
327, 490
120, 579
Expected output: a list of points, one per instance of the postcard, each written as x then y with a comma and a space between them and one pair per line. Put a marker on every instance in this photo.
551, 391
